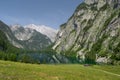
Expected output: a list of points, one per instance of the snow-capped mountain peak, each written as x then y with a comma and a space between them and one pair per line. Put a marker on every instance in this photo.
50, 32
15, 27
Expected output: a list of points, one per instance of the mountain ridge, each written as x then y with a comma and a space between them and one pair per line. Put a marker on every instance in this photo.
30, 38
48, 31
92, 33
36, 40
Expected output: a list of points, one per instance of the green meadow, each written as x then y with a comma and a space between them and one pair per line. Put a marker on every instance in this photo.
22, 71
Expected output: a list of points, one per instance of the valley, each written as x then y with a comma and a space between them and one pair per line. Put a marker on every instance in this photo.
80, 40
85, 47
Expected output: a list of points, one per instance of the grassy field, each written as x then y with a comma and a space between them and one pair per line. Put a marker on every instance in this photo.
22, 71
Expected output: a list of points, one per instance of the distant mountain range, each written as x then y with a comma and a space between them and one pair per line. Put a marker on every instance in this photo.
25, 32
24, 37
22, 33
49, 32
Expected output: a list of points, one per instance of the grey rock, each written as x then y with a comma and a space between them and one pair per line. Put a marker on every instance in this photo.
98, 29
30, 39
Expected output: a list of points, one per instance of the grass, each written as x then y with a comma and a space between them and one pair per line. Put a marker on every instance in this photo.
22, 71
113, 69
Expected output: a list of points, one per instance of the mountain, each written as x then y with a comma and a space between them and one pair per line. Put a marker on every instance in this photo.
25, 38
50, 32
21, 33
7, 31
6, 47
29, 38
3, 42
92, 33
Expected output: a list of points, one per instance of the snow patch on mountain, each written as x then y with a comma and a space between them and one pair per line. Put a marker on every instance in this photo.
22, 33
50, 32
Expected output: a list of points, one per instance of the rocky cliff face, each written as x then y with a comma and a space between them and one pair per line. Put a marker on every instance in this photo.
92, 33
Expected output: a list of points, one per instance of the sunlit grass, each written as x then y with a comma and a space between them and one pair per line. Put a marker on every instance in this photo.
22, 71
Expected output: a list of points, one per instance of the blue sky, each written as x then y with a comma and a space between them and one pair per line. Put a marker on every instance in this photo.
41, 12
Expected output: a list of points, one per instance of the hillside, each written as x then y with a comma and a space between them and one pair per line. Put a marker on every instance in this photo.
92, 33
3, 41
8, 33
5, 45
21, 71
